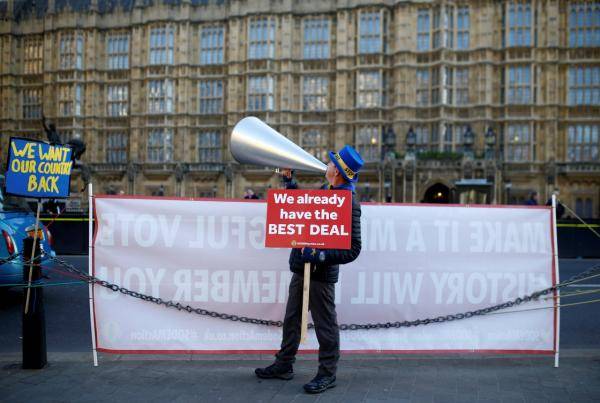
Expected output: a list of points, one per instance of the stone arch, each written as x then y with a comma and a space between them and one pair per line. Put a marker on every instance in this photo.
431, 182
437, 192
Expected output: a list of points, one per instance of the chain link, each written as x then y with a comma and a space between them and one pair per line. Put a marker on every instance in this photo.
595, 270
10, 258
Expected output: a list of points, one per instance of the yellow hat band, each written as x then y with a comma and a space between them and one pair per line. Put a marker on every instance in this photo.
349, 173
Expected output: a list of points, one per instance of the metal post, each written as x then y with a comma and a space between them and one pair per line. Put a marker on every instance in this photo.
414, 186
33, 249
557, 292
90, 272
381, 182
393, 183
404, 186
34, 319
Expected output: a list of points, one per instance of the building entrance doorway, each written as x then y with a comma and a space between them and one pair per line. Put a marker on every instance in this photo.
437, 193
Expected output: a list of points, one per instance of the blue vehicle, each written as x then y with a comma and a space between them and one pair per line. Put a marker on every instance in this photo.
15, 217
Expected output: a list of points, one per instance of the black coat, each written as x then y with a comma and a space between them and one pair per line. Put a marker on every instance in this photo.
328, 271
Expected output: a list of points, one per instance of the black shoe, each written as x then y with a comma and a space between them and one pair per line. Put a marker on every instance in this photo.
275, 371
319, 384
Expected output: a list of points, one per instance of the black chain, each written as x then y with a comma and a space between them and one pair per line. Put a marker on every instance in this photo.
10, 258
244, 319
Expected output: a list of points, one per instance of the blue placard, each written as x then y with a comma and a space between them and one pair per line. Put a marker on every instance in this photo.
38, 169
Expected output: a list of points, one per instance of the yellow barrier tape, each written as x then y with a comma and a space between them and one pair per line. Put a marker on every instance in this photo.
578, 225
64, 219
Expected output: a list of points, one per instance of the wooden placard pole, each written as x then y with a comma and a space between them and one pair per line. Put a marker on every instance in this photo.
305, 296
31, 261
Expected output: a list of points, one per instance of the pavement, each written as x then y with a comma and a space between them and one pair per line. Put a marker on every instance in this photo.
361, 378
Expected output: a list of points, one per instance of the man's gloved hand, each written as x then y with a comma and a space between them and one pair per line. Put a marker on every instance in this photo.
311, 255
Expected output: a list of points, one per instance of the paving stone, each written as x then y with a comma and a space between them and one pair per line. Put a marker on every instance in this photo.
446, 398
421, 398
488, 400
536, 399
511, 396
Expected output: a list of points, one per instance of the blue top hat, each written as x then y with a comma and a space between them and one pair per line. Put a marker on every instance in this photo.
348, 162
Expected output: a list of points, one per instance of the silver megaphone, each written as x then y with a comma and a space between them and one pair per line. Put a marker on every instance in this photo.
256, 143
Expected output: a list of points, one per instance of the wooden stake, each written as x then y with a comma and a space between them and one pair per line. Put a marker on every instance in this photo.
305, 294
35, 238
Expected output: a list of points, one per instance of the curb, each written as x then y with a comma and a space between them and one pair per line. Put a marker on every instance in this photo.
103, 357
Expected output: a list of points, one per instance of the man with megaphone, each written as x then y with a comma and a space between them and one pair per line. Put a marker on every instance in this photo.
341, 173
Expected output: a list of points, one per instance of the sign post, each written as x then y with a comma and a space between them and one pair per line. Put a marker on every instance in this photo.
305, 296
318, 219
39, 170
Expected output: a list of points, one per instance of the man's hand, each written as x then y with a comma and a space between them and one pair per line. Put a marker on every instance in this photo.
286, 173
287, 176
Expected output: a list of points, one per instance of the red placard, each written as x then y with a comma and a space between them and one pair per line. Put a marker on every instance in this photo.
309, 218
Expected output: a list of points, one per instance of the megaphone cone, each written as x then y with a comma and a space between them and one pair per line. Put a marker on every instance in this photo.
254, 142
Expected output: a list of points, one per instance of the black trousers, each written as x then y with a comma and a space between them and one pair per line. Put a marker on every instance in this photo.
322, 308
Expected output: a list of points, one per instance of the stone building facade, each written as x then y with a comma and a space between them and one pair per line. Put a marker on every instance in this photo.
448, 101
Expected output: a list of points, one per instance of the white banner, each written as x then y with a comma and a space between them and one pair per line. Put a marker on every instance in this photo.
417, 262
